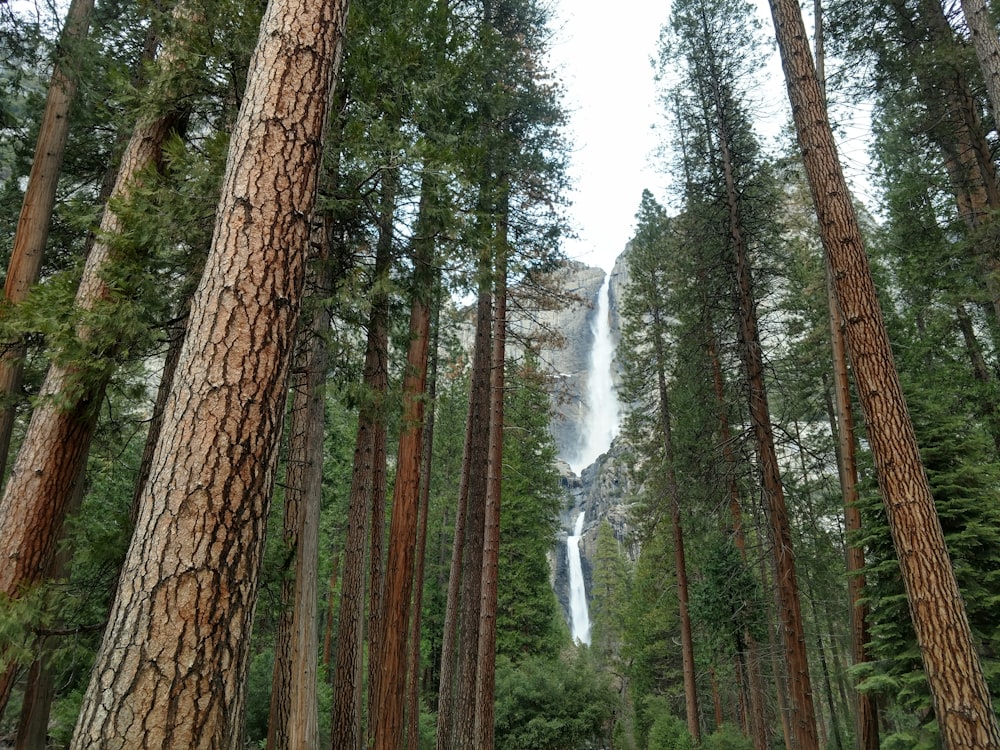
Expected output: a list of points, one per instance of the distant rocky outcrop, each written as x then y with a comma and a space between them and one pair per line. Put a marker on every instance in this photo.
553, 314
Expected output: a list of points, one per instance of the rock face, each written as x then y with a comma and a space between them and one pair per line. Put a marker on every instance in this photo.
563, 335
602, 490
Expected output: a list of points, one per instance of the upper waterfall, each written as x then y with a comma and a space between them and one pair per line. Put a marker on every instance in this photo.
603, 418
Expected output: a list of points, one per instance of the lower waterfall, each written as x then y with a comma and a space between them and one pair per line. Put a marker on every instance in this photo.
579, 616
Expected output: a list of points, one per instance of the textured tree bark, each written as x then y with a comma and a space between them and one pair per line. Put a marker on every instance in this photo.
961, 700
388, 713
756, 719
477, 455
32, 230
55, 447
369, 448
294, 720
487, 647
866, 714
413, 671
376, 558
171, 668
987, 44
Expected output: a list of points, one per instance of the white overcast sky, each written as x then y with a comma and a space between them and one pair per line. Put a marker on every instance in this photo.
603, 58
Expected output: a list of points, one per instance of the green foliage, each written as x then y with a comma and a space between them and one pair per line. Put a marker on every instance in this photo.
666, 731
527, 610
552, 703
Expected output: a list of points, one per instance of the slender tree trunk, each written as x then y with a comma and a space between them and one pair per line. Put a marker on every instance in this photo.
716, 700
32, 230
449, 638
175, 339
961, 699
294, 718
759, 728
390, 654
865, 713
173, 663
487, 648
369, 450
803, 718
55, 447
376, 559
413, 672
39, 690
680, 566
477, 455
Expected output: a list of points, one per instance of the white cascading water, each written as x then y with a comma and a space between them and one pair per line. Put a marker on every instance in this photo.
602, 420
600, 428
579, 616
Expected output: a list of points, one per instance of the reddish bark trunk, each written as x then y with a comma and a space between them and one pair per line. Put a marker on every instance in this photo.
961, 699
173, 663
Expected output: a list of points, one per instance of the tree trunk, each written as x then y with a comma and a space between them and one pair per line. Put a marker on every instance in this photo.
367, 491
32, 230
475, 459
803, 714
865, 715
487, 648
39, 691
55, 447
294, 719
680, 566
756, 720
376, 555
389, 656
413, 672
369, 450
961, 699
984, 38
173, 663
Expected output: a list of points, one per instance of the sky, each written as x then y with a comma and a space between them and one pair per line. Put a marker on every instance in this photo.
603, 58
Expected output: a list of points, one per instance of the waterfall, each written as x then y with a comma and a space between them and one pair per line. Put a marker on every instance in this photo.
579, 617
602, 422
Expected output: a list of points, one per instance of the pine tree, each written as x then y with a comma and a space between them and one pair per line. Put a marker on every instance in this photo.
200, 528
962, 702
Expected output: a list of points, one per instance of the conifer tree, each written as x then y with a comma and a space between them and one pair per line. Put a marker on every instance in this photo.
200, 527
962, 703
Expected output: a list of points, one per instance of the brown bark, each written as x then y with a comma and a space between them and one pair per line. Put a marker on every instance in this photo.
39, 689
369, 450
376, 556
171, 668
961, 699
803, 714
865, 712
33, 724
680, 566
32, 230
984, 38
756, 717
55, 447
486, 677
175, 338
449, 638
716, 700
472, 553
413, 671
294, 722
390, 654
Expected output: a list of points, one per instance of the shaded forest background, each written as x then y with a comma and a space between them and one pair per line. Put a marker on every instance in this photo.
389, 522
